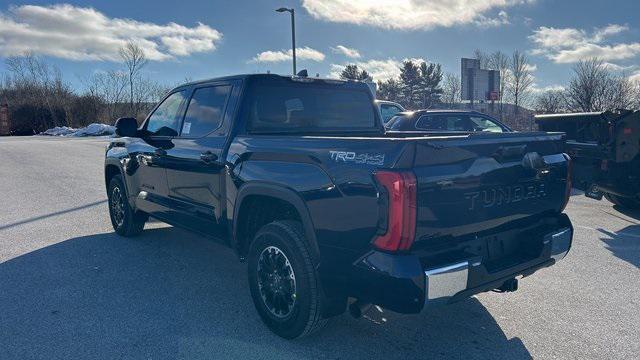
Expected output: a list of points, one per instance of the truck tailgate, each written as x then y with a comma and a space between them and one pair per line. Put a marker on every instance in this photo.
476, 183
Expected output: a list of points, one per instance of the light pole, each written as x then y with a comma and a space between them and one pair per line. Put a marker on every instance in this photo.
293, 34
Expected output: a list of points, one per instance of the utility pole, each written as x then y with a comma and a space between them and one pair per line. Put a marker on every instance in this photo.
293, 34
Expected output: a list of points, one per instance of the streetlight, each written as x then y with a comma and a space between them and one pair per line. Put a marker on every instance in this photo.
293, 33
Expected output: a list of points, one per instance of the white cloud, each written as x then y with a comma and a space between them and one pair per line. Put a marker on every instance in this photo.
411, 14
614, 67
611, 29
378, 69
346, 51
604, 52
305, 53
552, 38
501, 19
78, 33
537, 90
570, 45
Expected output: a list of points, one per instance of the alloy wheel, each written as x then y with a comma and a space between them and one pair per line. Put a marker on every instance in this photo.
276, 282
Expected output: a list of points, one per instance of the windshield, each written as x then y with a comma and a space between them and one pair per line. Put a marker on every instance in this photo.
292, 106
388, 111
395, 122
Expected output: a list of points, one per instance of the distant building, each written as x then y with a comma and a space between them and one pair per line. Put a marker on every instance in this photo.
5, 124
479, 84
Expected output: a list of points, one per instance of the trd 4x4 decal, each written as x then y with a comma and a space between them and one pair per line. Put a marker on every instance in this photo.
363, 158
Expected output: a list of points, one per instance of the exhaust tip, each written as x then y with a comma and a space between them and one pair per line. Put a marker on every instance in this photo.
358, 308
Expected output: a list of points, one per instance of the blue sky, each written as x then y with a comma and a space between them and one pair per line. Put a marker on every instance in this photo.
212, 38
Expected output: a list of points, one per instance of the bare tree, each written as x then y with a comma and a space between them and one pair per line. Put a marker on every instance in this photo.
588, 86
148, 93
452, 90
110, 88
520, 79
500, 61
134, 60
39, 85
595, 87
621, 93
483, 57
636, 94
551, 102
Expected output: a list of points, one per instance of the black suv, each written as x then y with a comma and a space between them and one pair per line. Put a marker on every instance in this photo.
299, 177
445, 121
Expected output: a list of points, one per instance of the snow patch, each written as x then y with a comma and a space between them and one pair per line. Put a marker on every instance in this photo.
91, 130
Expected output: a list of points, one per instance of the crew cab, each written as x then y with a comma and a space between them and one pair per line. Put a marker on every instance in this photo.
299, 177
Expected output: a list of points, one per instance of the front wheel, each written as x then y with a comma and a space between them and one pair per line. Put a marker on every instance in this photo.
125, 221
625, 202
284, 284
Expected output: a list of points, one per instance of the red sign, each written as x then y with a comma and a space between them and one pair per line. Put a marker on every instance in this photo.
493, 95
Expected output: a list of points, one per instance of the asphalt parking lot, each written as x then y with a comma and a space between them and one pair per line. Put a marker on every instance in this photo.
71, 288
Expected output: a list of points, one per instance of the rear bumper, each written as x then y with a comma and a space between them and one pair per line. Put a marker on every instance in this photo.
403, 284
444, 283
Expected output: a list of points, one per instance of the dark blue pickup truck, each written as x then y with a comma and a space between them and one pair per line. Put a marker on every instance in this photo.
299, 177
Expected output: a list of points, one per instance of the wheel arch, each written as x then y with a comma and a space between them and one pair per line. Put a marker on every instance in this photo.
113, 167
279, 193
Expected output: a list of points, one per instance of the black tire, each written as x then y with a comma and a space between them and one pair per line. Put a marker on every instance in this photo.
625, 202
302, 315
125, 221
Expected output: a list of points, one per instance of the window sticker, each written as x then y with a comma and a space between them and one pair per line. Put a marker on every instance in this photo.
186, 128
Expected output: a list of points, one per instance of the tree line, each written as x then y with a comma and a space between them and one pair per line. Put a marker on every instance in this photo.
417, 87
422, 85
593, 86
39, 98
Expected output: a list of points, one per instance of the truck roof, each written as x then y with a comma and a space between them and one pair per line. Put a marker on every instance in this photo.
441, 111
589, 116
276, 77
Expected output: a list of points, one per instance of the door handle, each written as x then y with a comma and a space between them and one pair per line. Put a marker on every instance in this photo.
208, 157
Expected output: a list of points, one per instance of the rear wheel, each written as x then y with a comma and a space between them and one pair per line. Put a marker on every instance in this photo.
284, 283
125, 221
626, 202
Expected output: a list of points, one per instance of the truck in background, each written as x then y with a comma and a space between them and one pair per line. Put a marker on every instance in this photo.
604, 147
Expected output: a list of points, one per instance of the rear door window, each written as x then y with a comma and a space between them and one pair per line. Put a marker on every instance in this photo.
205, 111
165, 118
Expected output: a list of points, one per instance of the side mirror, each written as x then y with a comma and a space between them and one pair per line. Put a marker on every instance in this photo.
127, 127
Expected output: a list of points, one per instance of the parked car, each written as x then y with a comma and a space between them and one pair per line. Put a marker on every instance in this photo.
604, 146
388, 109
298, 176
445, 121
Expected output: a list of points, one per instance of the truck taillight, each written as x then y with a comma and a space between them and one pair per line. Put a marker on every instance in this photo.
401, 195
567, 193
